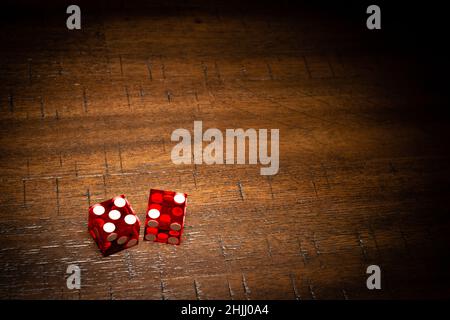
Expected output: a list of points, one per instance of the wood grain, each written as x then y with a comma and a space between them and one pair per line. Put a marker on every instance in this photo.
86, 115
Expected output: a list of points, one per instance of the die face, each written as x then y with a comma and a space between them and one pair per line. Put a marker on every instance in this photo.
164, 221
114, 225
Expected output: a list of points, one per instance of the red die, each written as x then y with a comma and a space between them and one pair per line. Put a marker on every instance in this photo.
113, 225
165, 216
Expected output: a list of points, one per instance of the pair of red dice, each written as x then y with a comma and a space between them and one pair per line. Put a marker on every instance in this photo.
115, 226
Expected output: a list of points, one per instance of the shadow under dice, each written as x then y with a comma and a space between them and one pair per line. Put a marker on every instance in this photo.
113, 225
165, 216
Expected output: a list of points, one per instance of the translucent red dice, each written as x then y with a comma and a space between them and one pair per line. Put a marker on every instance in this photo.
113, 225
165, 216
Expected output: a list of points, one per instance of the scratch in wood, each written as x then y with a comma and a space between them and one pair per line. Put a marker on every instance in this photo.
60, 68
56, 114
42, 107
106, 160
120, 158
326, 175
28, 167
60, 160
294, 287
361, 245
241, 191
169, 96
315, 243
128, 97
85, 100
302, 252
163, 68
129, 264
243, 71
311, 291
104, 186
57, 196
247, 291
30, 71
372, 234
24, 192
197, 290
194, 176
269, 70
163, 142
307, 66
88, 195
108, 64
315, 189
216, 66
149, 69
162, 285
393, 168
222, 248
230, 291
269, 248
111, 296
194, 172
269, 179
11, 102
405, 242
76, 169
344, 294
121, 65
205, 72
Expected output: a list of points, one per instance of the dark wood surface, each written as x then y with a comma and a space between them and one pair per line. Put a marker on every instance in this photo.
86, 115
